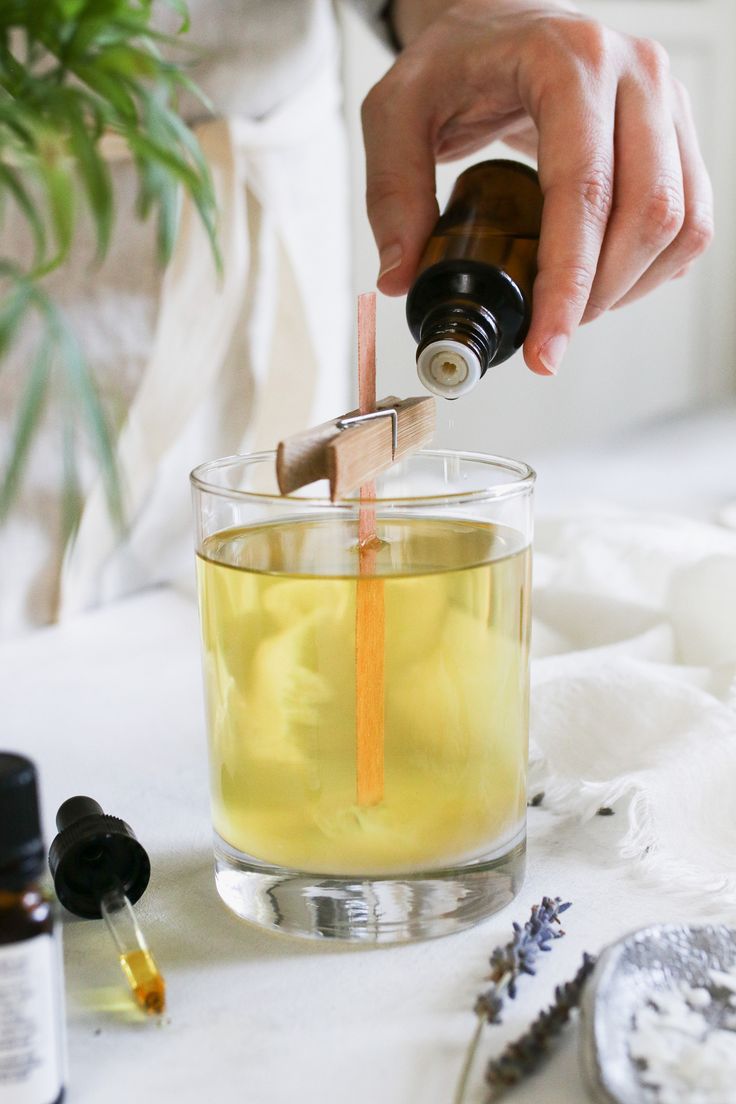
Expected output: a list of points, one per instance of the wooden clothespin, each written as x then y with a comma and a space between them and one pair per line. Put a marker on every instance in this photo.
351, 450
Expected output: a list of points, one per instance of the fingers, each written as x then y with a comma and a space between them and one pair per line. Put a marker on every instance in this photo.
652, 209
400, 179
648, 201
696, 232
575, 123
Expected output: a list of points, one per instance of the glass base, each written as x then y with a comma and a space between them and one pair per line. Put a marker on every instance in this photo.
369, 909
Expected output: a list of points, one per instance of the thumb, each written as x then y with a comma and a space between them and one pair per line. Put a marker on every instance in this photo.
400, 181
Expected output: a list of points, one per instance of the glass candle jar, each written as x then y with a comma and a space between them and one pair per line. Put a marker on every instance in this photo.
367, 703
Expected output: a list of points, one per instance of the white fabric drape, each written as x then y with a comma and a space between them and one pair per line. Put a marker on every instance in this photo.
634, 690
237, 359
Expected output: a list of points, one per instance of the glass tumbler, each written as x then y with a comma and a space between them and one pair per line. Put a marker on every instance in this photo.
366, 669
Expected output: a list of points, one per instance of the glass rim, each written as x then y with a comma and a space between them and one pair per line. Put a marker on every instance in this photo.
523, 484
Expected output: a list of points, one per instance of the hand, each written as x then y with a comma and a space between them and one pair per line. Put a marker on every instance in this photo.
627, 199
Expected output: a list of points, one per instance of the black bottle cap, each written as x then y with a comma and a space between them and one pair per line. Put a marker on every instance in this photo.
92, 853
21, 843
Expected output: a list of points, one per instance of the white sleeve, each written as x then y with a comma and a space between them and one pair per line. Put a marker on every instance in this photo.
377, 14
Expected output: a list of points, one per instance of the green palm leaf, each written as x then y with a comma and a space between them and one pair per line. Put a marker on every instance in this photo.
12, 183
72, 499
87, 402
13, 306
71, 70
29, 414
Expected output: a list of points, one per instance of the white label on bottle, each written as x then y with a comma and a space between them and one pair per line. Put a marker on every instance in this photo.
30, 1029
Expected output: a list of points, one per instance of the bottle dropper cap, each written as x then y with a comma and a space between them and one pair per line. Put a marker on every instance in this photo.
92, 853
448, 368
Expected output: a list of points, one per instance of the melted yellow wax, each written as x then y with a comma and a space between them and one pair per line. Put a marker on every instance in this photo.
277, 607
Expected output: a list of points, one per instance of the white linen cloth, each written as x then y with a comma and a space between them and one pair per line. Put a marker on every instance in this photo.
634, 690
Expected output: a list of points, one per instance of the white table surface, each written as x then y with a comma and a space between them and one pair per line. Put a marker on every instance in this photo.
110, 705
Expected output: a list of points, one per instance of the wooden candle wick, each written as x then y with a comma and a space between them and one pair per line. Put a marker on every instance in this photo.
369, 603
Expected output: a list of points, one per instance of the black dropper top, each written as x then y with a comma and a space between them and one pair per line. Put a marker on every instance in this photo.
21, 843
92, 853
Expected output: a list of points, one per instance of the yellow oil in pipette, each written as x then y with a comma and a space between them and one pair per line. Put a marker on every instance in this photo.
137, 963
146, 983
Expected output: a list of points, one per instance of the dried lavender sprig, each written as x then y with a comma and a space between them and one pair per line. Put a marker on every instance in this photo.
507, 963
527, 1052
519, 956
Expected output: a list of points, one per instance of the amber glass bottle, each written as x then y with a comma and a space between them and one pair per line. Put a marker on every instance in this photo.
31, 1032
470, 304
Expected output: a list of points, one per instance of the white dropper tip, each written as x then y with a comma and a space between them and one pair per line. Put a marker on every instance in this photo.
448, 368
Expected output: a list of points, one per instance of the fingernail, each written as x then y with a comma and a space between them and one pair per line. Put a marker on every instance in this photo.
552, 352
390, 258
